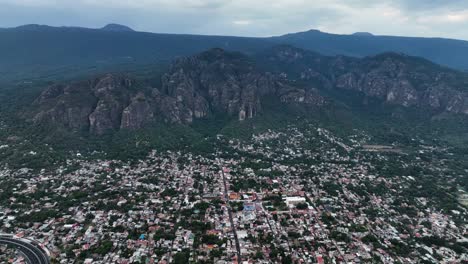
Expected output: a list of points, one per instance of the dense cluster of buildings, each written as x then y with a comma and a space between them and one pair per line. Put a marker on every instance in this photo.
291, 196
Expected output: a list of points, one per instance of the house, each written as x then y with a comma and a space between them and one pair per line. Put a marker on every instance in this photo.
294, 200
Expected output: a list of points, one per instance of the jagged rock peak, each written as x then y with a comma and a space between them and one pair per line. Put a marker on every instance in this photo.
195, 87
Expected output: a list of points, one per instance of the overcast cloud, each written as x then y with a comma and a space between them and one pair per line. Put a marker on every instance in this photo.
429, 18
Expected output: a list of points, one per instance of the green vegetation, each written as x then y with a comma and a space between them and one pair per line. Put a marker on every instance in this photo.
182, 257
38, 217
302, 206
104, 248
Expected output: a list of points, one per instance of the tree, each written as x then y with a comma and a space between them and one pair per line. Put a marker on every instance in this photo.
104, 248
302, 206
181, 257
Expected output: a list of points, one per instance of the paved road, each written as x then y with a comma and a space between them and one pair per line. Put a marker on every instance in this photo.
178, 213
226, 198
32, 253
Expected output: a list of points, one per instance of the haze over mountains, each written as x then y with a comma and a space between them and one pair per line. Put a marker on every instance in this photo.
33, 48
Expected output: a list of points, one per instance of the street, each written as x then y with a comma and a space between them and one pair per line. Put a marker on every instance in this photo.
32, 253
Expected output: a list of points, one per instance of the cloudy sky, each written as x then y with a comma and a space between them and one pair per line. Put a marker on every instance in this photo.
431, 18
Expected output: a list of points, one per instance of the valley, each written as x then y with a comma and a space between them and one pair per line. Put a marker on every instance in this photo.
120, 146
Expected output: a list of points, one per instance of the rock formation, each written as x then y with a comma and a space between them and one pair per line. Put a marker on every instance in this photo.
194, 87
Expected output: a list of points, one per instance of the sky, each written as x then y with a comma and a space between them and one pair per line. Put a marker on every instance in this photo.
426, 18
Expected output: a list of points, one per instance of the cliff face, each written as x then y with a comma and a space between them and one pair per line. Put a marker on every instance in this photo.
393, 78
194, 87
95, 105
217, 81
397, 80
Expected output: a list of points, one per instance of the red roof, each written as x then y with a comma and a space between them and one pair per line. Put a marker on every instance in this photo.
320, 260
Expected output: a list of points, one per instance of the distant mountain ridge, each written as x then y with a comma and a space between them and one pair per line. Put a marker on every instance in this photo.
40, 27
447, 52
368, 34
117, 28
37, 49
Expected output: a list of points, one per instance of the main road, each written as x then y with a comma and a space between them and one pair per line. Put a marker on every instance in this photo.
226, 198
33, 254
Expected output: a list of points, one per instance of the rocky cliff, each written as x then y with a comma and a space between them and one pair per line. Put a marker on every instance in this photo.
394, 78
194, 87
217, 81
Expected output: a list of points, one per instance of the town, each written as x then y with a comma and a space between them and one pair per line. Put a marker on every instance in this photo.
296, 195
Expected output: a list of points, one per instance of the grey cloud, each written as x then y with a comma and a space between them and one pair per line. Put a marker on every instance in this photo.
424, 5
249, 17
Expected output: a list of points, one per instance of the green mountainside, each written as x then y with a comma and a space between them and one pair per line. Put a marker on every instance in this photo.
396, 98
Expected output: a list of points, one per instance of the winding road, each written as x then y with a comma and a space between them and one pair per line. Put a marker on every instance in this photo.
33, 254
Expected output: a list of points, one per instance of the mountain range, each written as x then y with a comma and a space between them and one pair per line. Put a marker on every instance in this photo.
31, 49
114, 87
233, 84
